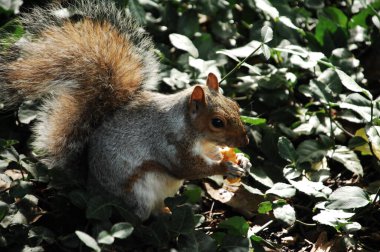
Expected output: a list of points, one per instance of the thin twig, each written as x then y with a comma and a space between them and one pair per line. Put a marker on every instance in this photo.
239, 64
306, 224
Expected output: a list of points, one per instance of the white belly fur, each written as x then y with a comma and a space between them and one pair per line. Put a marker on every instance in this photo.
154, 187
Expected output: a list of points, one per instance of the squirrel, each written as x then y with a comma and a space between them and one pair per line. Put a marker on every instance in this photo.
90, 64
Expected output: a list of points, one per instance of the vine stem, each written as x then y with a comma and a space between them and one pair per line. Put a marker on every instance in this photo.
239, 64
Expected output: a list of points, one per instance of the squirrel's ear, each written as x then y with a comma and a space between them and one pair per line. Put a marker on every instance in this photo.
212, 82
197, 97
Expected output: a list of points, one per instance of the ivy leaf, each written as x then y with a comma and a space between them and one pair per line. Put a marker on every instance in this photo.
234, 243
350, 84
267, 8
360, 105
183, 43
182, 220
137, 11
266, 51
285, 213
310, 151
332, 217
347, 197
266, 34
104, 237
316, 189
265, 207
88, 240
373, 134
253, 120
282, 190
235, 225
252, 190
348, 158
98, 209
286, 149
121, 230
4, 208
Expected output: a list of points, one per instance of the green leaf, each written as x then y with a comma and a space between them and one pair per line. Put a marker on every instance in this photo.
261, 176
137, 11
197, 241
332, 217
88, 240
373, 134
266, 34
98, 208
235, 226
360, 105
104, 237
121, 230
316, 189
321, 91
78, 198
183, 43
265, 207
182, 220
350, 83
336, 15
4, 208
285, 213
252, 190
282, 190
11, 5
348, 158
266, 51
347, 197
253, 120
360, 18
38, 234
20, 188
286, 149
288, 22
266, 7
235, 244
310, 151
193, 193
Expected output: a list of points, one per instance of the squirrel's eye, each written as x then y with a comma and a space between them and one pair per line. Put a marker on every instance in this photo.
217, 123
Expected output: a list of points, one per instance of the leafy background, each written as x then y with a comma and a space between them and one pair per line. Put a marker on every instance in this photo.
307, 78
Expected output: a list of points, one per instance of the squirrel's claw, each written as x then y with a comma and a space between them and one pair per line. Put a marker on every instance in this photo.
234, 170
243, 161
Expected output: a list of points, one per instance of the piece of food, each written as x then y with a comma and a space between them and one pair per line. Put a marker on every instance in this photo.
230, 155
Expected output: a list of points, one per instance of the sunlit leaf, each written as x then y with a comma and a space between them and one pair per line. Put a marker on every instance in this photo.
350, 83
121, 230
348, 158
266, 34
285, 213
282, 190
88, 240
253, 120
347, 197
184, 43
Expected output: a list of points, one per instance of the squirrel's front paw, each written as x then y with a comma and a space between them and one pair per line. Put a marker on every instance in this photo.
234, 170
243, 161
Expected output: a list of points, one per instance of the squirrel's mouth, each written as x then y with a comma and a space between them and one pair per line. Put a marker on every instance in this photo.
213, 150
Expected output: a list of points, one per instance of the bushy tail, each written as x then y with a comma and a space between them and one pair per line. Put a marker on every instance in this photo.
84, 61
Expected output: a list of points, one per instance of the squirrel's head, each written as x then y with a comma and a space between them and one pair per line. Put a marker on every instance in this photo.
215, 116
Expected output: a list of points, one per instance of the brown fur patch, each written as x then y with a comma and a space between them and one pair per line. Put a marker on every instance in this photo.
92, 62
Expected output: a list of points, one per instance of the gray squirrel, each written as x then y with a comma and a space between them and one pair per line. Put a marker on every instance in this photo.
90, 64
